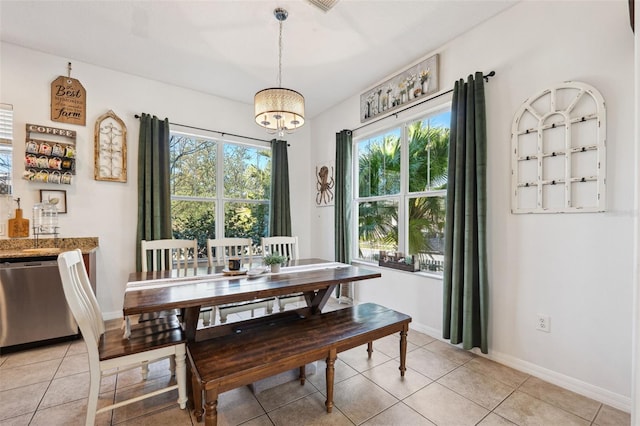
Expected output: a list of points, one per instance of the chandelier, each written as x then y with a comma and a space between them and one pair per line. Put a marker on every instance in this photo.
277, 109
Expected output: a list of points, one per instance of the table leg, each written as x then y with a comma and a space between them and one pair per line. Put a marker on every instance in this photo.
319, 299
370, 349
190, 320
403, 350
330, 374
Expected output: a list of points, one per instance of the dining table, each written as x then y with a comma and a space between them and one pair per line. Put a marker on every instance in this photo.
200, 287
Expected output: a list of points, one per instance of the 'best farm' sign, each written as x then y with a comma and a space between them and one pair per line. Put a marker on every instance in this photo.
68, 101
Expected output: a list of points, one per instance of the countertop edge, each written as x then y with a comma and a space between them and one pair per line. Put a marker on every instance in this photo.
26, 247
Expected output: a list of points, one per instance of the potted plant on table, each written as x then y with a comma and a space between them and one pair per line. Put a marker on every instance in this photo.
274, 260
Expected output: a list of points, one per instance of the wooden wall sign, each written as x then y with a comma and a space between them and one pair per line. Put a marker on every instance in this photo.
68, 101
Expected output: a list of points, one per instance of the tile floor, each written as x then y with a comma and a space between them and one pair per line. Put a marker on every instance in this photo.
442, 386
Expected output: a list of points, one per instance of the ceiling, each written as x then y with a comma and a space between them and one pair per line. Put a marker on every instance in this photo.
229, 48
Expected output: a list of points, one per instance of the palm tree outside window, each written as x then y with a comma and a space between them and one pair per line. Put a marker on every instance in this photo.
401, 190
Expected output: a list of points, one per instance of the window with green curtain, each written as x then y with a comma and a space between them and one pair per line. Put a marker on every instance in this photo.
401, 176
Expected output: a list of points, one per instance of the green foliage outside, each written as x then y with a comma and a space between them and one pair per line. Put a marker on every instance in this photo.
247, 220
379, 175
194, 189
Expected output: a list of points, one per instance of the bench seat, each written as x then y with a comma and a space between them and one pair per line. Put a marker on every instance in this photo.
230, 361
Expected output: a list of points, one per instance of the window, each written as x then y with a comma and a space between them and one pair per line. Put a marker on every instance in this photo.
6, 149
218, 189
401, 176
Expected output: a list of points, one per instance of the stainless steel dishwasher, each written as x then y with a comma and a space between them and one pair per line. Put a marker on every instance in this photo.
32, 304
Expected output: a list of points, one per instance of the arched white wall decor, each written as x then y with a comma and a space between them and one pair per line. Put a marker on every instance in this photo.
558, 151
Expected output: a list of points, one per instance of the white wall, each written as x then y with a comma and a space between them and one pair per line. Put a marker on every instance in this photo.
577, 268
109, 210
635, 393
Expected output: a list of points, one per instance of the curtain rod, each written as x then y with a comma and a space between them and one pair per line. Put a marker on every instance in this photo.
486, 78
216, 131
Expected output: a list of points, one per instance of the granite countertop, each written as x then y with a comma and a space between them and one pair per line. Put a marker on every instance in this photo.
26, 247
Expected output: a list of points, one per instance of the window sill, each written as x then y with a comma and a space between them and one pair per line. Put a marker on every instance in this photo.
358, 262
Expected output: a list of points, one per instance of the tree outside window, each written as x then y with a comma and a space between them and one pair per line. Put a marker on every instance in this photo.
402, 180
212, 198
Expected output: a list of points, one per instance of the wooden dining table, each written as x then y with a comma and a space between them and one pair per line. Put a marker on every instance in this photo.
149, 292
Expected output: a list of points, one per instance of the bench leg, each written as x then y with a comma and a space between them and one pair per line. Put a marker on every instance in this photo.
370, 349
330, 373
190, 405
211, 407
303, 374
403, 350
197, 398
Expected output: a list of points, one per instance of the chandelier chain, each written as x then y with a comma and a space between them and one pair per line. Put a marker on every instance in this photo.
280, 56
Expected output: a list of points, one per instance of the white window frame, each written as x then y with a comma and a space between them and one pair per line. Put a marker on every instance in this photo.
219, 200
404, 195
6, 148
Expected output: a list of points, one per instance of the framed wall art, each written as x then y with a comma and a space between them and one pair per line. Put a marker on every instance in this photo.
56, 197
325, 182
405, 88
110, 148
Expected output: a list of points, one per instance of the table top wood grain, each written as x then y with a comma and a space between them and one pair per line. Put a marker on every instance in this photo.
233, 289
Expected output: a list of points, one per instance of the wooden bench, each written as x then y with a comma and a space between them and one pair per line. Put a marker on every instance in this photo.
259, 351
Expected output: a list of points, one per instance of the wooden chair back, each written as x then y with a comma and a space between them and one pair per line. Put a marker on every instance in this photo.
286, 246
169, 254
220, 249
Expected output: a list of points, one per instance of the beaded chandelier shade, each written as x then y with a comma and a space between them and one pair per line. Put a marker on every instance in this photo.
277, 109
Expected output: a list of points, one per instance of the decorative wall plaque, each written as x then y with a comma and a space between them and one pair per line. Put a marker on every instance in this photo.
325, 183
68, 100
558, 155
110, 148
405, 88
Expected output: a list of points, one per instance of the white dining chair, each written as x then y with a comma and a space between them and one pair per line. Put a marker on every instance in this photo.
108, 351
169, 254
218, 252
285, 246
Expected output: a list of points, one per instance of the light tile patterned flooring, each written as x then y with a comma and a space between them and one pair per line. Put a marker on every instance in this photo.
442, 386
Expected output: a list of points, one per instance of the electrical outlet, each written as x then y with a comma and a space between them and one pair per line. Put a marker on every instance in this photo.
544, 323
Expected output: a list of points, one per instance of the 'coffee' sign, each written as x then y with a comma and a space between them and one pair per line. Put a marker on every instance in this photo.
68, 101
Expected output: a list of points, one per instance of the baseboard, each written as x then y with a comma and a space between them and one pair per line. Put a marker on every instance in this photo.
426, 330
613, 399
599, 394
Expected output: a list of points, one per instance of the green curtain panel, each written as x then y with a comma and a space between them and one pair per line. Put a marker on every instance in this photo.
465, 310
280, 207
342, 210
154, 197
